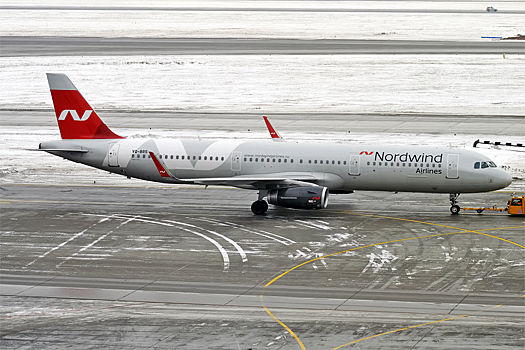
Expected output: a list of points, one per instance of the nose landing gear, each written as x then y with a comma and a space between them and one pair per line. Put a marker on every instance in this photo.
455, 208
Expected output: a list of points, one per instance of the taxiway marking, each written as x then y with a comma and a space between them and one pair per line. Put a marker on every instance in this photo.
459, 230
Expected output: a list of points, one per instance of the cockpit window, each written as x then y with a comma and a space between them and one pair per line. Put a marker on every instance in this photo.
484, 165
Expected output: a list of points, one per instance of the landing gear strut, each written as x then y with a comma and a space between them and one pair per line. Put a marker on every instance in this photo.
454, 209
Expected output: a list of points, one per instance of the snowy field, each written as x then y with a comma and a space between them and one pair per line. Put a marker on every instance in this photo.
123, 22
388, 84
435, 84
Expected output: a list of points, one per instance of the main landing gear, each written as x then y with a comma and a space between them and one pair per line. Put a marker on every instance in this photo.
259, 207
454, 209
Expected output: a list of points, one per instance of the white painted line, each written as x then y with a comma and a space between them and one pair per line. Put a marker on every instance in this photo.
64, 243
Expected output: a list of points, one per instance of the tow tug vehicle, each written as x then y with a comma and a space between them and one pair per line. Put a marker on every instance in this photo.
515, 206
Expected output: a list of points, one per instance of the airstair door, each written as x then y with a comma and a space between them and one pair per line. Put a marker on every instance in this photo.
453, 166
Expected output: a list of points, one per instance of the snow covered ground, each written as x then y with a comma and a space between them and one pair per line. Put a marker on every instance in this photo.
125, 22
437, 84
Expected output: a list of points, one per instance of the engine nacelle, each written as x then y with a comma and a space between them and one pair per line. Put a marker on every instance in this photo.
300, 197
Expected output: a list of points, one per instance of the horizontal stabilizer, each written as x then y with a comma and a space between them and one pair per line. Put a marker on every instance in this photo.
61, 150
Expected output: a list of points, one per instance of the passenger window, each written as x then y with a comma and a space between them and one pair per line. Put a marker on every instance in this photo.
315, 161
367, 163
309, 161
256, 159
301, 161
273, 160
245, 159
285, 160
279, 160
251, 159
344, 162
222, 158
291, 160
339, 162
320, 162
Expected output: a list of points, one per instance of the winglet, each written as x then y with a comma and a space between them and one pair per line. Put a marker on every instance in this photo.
273, 133
161, 167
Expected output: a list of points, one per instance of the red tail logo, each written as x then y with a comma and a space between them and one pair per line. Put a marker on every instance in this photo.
71, 108
74, 115
366, 153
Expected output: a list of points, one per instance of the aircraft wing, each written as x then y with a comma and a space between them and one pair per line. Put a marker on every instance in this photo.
261, 182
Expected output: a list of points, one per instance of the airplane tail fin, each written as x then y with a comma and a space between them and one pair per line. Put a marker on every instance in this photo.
76, 119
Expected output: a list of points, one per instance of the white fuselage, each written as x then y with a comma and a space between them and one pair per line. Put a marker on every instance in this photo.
339, 167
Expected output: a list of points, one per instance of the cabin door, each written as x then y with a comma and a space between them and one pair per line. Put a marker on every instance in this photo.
453, 166
113, 154
354, 166
236, 161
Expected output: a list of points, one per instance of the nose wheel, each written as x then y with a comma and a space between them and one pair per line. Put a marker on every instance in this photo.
454, 208
259, 207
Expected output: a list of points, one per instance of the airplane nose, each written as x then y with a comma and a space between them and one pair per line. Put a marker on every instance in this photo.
503, 179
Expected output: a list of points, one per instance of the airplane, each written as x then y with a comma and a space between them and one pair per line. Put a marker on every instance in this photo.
287, 174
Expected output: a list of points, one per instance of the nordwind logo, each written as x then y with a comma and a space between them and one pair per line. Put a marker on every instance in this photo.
75, 115
367, 153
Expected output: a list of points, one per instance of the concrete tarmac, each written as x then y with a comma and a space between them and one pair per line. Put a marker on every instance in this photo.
19, 46
188, 267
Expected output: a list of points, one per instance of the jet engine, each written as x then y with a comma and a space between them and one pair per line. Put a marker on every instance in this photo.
300, 197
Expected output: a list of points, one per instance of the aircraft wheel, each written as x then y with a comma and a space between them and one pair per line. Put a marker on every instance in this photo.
455, 209
259, 207
479, 211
